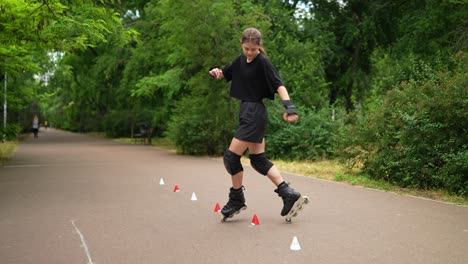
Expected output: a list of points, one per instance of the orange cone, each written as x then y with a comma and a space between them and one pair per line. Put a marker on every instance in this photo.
217, 208
255, 220
176, 189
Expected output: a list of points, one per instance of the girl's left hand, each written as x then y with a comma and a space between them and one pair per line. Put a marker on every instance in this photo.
290, 118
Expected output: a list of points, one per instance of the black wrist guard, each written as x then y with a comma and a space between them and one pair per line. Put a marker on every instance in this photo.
289, 108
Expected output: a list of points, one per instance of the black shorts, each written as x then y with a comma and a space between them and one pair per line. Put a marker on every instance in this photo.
253, 120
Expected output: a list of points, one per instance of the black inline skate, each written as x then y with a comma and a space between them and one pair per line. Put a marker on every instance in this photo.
235, 204
293, 201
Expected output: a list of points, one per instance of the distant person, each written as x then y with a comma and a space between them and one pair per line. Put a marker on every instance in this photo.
35, 126
253, 78
46, 124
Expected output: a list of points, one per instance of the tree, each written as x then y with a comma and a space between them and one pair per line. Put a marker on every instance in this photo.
38, 27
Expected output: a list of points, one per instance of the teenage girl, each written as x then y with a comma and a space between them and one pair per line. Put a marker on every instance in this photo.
254, 78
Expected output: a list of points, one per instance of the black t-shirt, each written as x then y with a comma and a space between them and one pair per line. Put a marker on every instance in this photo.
252, 81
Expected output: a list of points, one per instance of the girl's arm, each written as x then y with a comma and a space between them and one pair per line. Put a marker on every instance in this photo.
283, 93
289, 114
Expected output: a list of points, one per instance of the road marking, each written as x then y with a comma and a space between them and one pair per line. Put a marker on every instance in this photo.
60, 164
83, 242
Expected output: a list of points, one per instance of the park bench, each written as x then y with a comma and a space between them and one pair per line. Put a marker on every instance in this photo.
144, 135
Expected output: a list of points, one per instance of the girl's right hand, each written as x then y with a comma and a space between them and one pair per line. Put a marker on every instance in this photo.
217, 73
290, 118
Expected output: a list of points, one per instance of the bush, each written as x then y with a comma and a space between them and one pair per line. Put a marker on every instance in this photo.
454, 172
417, 135
204, 123
12, 131
312, 138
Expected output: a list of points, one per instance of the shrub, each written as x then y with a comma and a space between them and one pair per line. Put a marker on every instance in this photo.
203, 123
12, 131
417, 135
312, 138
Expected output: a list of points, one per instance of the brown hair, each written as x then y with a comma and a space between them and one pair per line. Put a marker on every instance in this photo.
253, 35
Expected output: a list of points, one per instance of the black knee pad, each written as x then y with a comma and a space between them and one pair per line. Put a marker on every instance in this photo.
232, 162
260, 163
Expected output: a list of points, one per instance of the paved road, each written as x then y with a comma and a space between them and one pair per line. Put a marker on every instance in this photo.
72, 199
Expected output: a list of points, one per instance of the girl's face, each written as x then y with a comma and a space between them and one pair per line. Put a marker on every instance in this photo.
250, 50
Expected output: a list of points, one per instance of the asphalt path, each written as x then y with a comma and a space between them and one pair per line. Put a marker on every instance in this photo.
74, 199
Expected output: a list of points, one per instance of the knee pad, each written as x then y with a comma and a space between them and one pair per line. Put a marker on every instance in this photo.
260, 163
232, 162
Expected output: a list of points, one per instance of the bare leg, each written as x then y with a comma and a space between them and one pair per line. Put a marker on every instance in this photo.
273, 174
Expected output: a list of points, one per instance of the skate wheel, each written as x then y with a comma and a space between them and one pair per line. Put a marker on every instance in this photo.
306, 200
288, 220
225, 218
294, 215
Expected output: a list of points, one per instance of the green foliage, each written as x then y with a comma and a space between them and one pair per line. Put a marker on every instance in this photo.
201, 128
312, 138
12, 131
167, 82
299, 64
417, 135
387, 63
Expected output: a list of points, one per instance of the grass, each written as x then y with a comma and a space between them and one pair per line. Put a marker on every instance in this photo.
335, 171
6, 150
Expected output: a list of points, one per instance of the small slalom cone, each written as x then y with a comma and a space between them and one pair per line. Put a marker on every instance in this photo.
217, 208
161, 181
295, 244
255, 220
176, 188
194, 197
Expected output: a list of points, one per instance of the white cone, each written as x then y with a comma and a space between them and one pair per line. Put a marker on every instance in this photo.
161, 181
295, 244
194, 197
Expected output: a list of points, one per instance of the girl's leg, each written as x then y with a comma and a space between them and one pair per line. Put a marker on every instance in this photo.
273, 173
261, 164
238, 147
233, 165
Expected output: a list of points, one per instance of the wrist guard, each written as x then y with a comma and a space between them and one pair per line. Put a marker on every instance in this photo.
289, 108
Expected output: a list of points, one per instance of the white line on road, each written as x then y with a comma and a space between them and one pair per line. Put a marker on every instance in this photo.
60, 164
83, 242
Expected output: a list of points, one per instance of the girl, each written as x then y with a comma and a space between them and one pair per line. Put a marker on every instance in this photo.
254, 78
35, 126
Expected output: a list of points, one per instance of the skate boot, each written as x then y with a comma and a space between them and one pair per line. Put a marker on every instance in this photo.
235, 204
293, 201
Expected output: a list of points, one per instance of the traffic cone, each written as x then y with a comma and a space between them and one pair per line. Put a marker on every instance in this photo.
161, 181
194, 197
255, 220
295, 244
217, 208
176, 189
